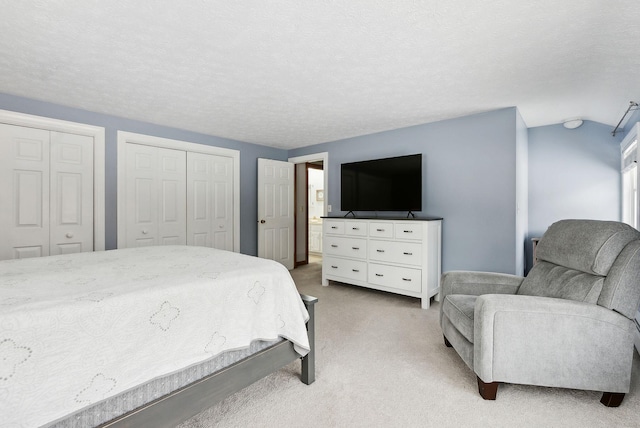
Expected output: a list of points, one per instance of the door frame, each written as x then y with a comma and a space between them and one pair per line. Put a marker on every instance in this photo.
315, 157
307, 167
125, 137
98, 135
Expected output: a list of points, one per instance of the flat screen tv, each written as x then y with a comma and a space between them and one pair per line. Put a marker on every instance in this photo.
390, 184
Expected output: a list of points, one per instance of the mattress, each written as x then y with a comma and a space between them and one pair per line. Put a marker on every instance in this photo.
79, 329
113, 407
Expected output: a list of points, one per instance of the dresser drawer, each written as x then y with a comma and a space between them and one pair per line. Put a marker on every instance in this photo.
408, 231
345, 247
355, 228
335, 227
396, 277
344, 268
380, 230
409, 253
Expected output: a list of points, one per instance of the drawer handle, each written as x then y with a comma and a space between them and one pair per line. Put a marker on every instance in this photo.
379, 274
355, 228
334, 267
380, 251
379, 230
406, 279
408, 254
334, 227
355, 270
355, 248
408, 231
334, 246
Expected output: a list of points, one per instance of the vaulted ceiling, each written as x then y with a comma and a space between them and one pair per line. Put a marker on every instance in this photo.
287, 73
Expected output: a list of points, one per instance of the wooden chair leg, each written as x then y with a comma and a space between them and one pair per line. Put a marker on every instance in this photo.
612, 399
446, 342
488, 391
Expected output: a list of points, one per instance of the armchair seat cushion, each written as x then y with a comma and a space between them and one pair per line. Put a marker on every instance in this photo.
459, 309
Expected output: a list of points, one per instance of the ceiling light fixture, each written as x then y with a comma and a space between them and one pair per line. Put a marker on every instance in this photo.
572, 123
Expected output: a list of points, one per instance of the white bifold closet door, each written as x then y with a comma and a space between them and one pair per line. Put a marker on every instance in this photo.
176, 197
46, 183
155, 196
210, 201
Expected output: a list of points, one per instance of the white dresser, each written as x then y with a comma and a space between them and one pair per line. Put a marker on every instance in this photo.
394, 255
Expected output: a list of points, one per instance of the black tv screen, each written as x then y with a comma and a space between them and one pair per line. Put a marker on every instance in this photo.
391, 184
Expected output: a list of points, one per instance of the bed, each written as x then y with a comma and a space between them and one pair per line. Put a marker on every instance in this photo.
143, 337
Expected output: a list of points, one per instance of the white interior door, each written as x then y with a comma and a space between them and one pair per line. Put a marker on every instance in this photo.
71, 210
275, 211
155, 209
172, 224
210, 201
47, 183
24, 186
141, 196
210, 197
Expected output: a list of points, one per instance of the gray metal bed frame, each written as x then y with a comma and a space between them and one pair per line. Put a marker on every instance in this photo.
184, 403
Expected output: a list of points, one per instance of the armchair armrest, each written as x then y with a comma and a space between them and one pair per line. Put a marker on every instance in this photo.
551, 342
478, 283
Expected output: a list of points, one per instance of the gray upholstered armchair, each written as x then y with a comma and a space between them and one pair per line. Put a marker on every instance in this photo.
568, 324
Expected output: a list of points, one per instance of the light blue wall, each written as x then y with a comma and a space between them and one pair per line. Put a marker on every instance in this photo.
494, 182
573, 173
249, 153
469, 180
522, 192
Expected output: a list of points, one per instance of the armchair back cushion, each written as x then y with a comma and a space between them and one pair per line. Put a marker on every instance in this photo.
588, 261
589, 246
550, 280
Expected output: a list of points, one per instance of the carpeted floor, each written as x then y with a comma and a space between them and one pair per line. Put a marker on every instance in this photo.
381, 362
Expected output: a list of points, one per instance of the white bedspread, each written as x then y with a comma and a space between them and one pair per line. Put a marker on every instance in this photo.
79, 328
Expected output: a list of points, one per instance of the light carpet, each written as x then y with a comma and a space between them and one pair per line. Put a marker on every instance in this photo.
381, 362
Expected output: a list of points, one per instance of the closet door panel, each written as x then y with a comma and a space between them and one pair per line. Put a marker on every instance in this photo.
24, 184
222, 226
141, 196
199, 204
172, 197
155, 196
210, 201
71, 198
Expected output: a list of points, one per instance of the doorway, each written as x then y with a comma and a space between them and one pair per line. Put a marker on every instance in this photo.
315, 210
311, 205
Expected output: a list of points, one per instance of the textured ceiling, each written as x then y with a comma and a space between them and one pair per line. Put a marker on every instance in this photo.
294, 73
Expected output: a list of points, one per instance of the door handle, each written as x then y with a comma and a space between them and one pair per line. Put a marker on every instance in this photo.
262, 221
